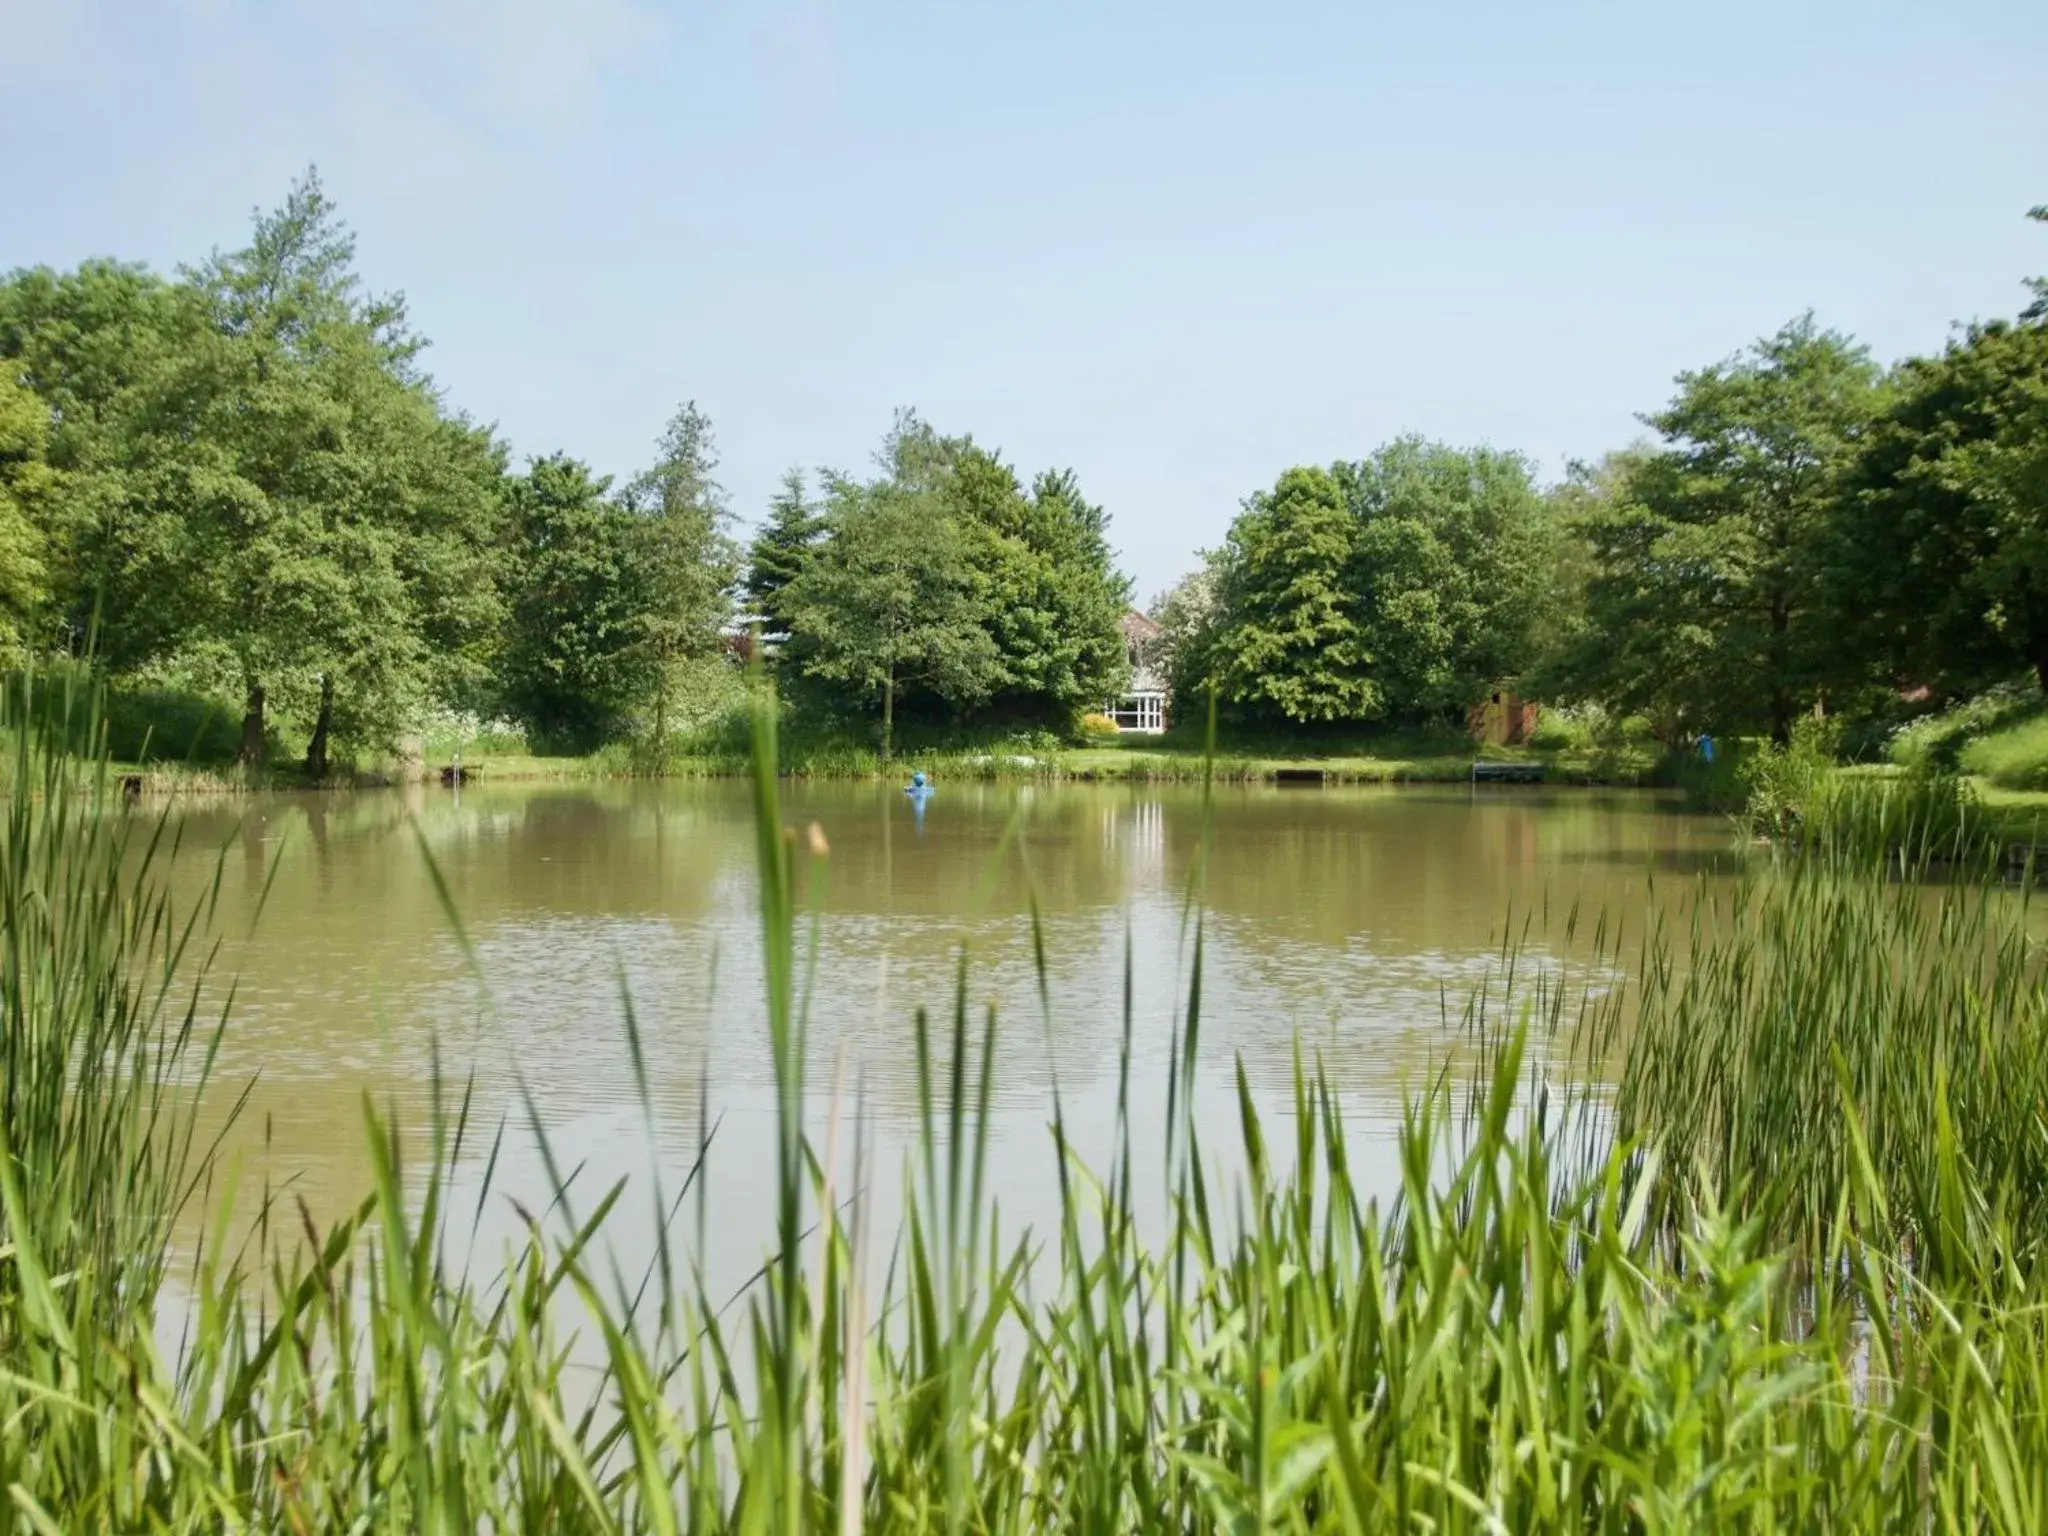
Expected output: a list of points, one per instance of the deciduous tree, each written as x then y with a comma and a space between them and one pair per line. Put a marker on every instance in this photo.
1706, 603
1938, 564
888, 600
1291, 643
687, 560
574, 663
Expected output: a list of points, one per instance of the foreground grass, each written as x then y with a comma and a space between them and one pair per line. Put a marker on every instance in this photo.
1788, 1276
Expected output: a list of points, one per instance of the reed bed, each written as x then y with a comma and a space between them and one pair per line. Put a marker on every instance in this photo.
1785, 1275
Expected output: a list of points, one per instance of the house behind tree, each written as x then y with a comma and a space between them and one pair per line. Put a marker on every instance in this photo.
1141, 708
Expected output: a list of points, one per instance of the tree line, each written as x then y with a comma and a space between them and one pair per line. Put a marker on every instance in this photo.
240, 481
1801, 529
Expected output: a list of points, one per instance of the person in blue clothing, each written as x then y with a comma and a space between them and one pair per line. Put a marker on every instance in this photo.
920, 790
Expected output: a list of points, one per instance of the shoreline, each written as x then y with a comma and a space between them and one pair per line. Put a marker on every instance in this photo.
1076, 766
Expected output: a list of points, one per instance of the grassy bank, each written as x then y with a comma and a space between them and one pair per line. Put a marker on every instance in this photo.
1394, 760
164, 741
1785, 1276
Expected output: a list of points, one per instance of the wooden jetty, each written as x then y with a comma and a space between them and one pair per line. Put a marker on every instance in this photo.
1507, 773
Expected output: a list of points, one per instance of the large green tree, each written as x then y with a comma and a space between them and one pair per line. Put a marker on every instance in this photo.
1048, 585
687, 560
574, 664
1939, 561
1707, 605
1452, 568
100, 349
28, 489
890, 600
1291, 641
258, 479
1399, 586
781, 549
990, 602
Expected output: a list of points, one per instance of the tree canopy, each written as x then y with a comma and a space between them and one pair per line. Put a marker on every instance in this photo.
239, 480
1393, 587
943, 584
1939, 551
1705, 607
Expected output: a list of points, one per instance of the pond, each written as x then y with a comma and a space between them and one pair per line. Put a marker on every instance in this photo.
1349, 919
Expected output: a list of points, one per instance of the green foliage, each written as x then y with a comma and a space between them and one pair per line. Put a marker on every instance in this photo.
1579, 728
1453, 568
780, 551
888, 600
251, 460
2013, 756
574, 664
685, 562
942, 585
1705, 606
1781, 782
1939, 740
1402, 586
1055, 598
101, 349
147, 724
327, 518
1835, 1046
28, 488
1290, 641
1940, 541
100, 1062
1187, 616
1784, 1276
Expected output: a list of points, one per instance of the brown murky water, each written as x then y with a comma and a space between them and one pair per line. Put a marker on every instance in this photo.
1342, 917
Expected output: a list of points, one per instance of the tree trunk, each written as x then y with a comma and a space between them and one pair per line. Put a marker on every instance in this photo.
1781, 695
323, 725
888, 712
251, 754
1781, 717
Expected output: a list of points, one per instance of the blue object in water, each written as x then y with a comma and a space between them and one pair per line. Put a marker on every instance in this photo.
919, 790
1707, 748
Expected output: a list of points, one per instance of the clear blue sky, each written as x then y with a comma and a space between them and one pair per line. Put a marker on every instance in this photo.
1177, 247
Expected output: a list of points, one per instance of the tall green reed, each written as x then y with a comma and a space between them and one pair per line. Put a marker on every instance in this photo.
1792, 1283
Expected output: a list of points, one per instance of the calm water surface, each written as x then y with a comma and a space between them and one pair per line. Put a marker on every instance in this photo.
1344, 917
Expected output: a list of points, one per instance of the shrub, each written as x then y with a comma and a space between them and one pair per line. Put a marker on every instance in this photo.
1576, 728
1096, 727
2015, 757
1780, 783
451, 731
170, 725
1940, 740
1716, 787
